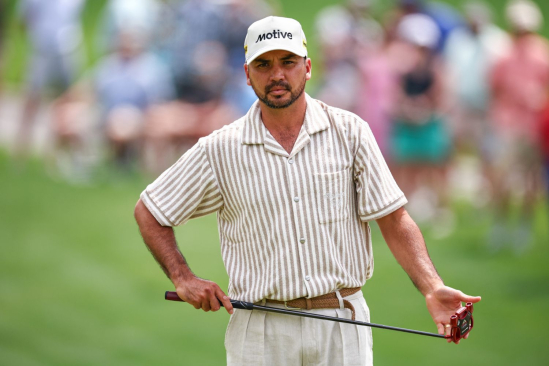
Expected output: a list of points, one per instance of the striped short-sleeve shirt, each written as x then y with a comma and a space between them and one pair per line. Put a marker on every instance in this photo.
290, 224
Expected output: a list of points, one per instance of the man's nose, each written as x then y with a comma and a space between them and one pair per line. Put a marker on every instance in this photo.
277, 73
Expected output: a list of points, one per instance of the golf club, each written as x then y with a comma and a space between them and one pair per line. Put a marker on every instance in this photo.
461, 323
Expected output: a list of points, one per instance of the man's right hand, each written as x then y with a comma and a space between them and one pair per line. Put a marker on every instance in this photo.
203, 294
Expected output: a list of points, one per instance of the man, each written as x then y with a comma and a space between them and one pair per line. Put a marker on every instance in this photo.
294, 183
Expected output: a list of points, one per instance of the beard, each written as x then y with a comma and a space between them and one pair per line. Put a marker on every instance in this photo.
277, 102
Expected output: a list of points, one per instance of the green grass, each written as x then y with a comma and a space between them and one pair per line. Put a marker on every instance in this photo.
78, 287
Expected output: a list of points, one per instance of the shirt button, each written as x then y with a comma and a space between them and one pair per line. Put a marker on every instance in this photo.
302, 240
290, 161
296, 199
307, 278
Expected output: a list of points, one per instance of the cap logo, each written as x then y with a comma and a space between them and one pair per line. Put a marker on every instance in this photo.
274, 34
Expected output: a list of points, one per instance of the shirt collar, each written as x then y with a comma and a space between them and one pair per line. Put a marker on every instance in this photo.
316, 117
254, 131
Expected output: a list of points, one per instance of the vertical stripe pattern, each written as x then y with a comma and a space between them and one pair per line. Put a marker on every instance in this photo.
290, 224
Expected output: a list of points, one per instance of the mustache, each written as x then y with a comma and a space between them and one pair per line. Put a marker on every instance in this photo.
280, 83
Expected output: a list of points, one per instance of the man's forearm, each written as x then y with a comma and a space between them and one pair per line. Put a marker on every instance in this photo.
408, 246
162, 244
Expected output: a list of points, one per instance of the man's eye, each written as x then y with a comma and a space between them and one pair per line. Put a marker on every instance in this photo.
263, 65
288, 62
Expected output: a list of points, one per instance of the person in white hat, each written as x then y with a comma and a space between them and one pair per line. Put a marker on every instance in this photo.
518, 86
294, 184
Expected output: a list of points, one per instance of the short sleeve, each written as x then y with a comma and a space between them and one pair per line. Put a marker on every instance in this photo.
377, 192
186, 190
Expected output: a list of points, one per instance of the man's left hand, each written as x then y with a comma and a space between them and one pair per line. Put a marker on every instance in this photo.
443, 303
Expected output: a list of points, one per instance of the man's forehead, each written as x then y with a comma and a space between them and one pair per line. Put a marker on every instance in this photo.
276, 54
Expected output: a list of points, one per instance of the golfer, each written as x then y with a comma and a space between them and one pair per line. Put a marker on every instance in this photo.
294, 183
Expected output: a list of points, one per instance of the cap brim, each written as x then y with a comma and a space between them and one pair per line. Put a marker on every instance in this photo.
272, 48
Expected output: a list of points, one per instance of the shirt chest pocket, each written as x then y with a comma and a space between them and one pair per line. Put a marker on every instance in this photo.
332, 196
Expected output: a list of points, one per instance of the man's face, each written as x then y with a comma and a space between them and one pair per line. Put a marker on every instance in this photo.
278, 77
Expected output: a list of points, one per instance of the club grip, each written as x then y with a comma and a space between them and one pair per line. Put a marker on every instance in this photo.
172, 296
237, 304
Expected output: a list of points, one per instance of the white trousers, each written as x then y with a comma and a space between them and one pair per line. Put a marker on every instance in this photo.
263, 338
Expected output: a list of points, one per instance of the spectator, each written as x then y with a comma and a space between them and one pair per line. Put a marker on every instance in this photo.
340, 79
347, 34
518, 87
197, 22
544, 140
3, 23
119, 15
377, 95
470, 54
378, 86
172, 127
207, 62
55, 35
420, 141
445, 17
237, 16
127, 84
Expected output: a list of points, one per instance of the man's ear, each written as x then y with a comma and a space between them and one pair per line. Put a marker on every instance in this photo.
309, 68
247, 74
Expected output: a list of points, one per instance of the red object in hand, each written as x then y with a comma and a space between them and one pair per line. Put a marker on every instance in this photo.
461, 323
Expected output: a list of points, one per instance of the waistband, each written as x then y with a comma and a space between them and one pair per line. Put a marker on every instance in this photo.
332, 300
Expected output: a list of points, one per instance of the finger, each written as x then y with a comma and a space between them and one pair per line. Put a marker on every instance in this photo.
225, 300
466, 336
194, 303
206, 305
468, 298
440, 328
448, 332
214, 303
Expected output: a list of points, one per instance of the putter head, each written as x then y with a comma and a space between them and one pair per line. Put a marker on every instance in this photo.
461, 322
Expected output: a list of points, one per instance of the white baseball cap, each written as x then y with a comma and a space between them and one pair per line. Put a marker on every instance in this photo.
274, 33
524, 15
420, 30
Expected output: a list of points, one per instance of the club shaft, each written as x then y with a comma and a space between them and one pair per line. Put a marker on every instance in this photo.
343, 320
250, 306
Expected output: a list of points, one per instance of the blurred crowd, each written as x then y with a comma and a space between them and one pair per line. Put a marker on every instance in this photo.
444, 88
445, 91
172, 72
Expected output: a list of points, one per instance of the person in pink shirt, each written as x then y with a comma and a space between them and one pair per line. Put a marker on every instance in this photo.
378, 94
518, 87
544, 142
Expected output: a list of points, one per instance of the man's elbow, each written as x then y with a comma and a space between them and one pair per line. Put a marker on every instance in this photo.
139, 211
